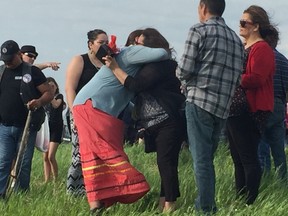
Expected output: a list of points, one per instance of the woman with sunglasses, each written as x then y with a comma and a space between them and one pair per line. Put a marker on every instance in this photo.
245, 126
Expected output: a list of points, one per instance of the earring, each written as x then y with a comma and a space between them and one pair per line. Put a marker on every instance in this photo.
91, 52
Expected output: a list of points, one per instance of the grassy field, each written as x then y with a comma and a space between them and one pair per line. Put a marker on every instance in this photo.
51, 199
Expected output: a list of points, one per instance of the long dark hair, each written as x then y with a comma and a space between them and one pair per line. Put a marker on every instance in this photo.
51, 79
154, 39
267, 31
132, 36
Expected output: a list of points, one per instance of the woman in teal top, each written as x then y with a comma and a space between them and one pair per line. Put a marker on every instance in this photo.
108, 175
104, 89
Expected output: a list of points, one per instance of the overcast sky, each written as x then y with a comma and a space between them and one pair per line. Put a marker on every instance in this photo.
58, 28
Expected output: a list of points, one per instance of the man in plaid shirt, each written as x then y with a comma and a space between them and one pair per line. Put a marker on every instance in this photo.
209, 70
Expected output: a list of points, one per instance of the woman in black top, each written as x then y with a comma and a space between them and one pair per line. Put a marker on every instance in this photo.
54, 111
79, 72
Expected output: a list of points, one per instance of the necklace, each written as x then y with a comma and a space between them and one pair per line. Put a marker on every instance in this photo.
98, 68
93, 62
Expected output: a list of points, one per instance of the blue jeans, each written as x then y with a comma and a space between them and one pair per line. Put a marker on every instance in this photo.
203, 130
274, 138
264, 156
10, 138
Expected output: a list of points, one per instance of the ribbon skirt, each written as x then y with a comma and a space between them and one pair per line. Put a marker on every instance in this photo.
108, 175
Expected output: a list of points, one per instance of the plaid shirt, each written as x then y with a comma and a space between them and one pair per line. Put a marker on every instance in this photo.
281, 76
211, 66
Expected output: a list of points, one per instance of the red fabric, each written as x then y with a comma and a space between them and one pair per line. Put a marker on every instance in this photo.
258, 79
112, 44
108, 175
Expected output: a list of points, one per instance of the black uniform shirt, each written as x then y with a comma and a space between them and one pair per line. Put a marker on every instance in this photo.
12, 109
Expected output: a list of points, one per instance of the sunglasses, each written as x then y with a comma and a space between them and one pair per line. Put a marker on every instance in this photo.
30, 55
244, 22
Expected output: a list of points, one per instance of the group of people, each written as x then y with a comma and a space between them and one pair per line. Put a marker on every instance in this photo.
53, 110
24, 87
220, 80
100, 130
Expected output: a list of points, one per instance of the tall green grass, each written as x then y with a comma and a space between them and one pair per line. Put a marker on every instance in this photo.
51, 199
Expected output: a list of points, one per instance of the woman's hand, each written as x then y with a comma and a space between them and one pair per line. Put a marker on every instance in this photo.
111, 62
117, 71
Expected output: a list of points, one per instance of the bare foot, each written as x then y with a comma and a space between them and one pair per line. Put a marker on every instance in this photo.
96, 208
169, 207
95, 204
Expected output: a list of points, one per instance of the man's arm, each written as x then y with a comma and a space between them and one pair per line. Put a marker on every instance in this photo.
187, 63
46, 96
53, 65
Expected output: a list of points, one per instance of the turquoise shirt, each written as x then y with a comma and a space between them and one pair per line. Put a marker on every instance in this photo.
105, 90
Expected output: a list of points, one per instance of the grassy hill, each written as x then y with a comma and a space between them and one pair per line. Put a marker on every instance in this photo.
51, 199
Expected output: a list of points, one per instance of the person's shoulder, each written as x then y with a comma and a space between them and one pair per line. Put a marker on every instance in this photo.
35, 68
168, 64
280, 57
132, 51
261, 43
78, 58
197, 26
82, 56
134, 48
199, 30
262, 46
279, 54
36, 73
172, 62
32, 68
212, 22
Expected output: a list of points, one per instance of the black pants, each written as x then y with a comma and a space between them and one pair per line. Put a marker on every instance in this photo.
168, 137
244, 137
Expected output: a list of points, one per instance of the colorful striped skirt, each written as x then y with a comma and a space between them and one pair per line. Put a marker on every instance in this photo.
108, 175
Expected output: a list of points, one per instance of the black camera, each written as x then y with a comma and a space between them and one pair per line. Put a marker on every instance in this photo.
103, 51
